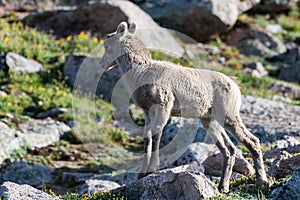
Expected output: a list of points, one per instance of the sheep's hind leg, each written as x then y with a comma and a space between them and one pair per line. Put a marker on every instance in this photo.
227, 149
239, 130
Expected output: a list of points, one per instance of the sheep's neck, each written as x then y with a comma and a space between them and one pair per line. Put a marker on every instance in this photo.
131, 59
126, 62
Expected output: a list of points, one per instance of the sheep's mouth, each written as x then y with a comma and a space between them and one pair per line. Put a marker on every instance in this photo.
106, 66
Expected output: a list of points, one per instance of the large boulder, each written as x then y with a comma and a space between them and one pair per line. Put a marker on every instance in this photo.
253, 41
273, 6
289, 190
198, 19
103, 17
13, 191
214, 163
80, 71
35, 133
184, 182
284, 166
290, 69
26, 173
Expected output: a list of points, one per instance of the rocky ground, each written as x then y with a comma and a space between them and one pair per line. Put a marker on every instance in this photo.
56, 144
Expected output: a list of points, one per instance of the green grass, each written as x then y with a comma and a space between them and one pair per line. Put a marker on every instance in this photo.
289, 22
244, 188
96, 196
47, 89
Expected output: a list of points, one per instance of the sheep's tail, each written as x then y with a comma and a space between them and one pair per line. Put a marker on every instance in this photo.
235, 79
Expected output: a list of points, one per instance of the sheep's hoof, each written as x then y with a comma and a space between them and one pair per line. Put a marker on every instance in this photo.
223, 189
142, 174
264, 183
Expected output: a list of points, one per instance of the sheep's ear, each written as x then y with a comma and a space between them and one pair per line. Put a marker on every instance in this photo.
132, 28
122, 28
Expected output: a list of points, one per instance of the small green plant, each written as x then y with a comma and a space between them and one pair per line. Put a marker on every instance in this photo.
20, 153
103, 195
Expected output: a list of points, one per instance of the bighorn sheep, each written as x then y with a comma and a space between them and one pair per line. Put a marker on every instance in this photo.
163, 89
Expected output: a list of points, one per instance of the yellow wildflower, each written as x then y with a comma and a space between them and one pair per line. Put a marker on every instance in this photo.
101, 41
82, 35
95, 39
20, 24
248, 158
69, 38
190, 63
6, 39
156, 54
41, 88
51, 192
8, 29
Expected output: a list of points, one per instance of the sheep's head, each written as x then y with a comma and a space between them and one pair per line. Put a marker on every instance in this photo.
114, 44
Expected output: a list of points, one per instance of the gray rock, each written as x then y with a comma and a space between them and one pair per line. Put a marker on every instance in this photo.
3, 65
277, 153
270, 120
10, 139
256, 69
40, 133
214, 163
121, 178
203, 18
13, 191
290, 190
252, 41
80, 71
273, 6
273, 28
286, 141
183, 182
75, 177
290, 69
26, 173
286, 90
245, 5
284, 165
68, 22
94, 185
16, 62
212, 160
53, 113
200, 50
35, 133
195, 50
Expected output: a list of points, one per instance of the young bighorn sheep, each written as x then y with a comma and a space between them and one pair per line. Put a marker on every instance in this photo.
163, 89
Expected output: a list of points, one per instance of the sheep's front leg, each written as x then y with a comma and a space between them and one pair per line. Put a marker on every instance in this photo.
160, 119
155, 122
147, 147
